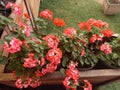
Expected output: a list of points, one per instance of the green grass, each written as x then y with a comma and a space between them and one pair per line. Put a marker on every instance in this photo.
112, 86
75, 11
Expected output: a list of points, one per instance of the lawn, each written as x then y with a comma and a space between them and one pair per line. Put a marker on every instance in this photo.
75, 11
112, 86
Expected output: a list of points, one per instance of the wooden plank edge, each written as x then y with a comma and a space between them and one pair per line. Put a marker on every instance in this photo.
58, 75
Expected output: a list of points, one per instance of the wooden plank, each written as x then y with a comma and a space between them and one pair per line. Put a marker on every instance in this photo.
36, 7
4, 53
94, 76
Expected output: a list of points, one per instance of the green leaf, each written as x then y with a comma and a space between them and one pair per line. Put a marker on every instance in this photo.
64, 61
81, 61
62, 70
119, 61
3, 60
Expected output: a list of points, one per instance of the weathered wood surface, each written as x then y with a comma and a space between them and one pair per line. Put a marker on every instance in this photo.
94, 76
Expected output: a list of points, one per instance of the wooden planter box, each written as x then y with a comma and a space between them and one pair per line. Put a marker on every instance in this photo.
110, 9
95, 76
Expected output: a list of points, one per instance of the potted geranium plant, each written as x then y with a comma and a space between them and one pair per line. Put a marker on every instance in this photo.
110, 56
111, 7
102, 41
33, 54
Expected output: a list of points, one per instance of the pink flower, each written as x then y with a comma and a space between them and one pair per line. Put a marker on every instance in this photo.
6, 46
51, 40
51, 67
17, 9
54, 55
15, 46
59, 22
69, 31
84, 25
91, 21
89, 85
18, 83
106, 48
42, 61
105, 24
10, 4
38, 73
98, 23
72, 76
82, 53
46, 14
107, 33
94, 38
26, 29
30, 62
66, 82
72, 73
35, 83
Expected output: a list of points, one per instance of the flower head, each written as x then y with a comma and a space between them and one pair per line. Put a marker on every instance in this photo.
14, 45
88, 85
107, 33
69, 31
94, 38
30, 62
51, 40
47, 14
84, 25
54, 55
59, 22
106, 48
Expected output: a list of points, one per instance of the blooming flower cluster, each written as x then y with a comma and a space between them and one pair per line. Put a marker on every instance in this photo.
69, 31
14, 45
33, 55
98, 38
29, 82
71, 81
16, 8
47, 14
59, 22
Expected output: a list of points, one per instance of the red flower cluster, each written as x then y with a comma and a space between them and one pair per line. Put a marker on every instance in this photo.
52, 41
72, 76
97, 23
106, 48
46, 14
27, 15
26, 29
30, 62
15, 46
88, 85
29, 82
69, 31
83, 25
107, 33
59, 22
92, 22
95, 37
54, 55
